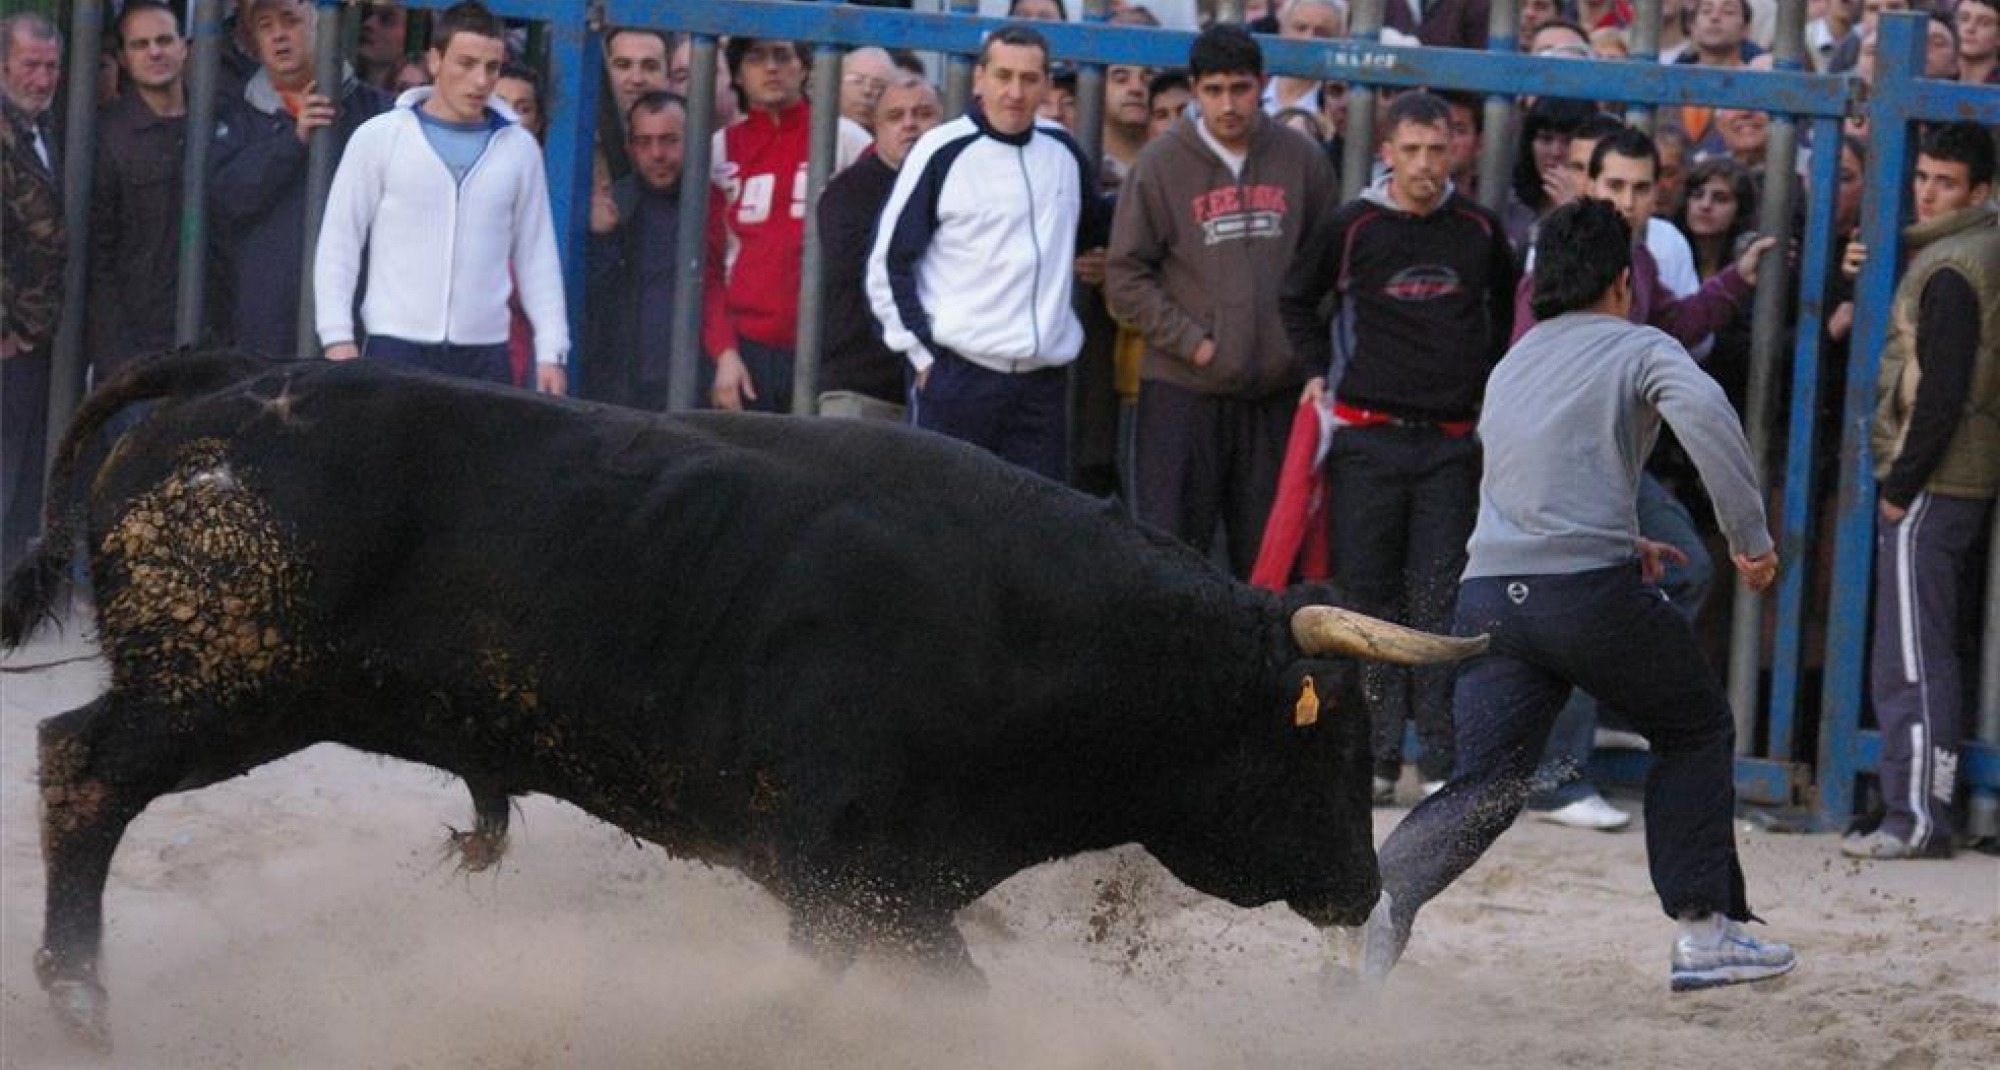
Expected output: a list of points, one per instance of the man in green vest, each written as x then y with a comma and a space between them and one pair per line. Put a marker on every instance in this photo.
1936, 443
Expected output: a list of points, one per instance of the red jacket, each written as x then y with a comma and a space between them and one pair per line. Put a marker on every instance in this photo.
759, 173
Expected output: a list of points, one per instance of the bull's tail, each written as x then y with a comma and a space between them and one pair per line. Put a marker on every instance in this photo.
31, 590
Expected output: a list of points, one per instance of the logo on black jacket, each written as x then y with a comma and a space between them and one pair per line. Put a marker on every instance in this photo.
1423, 282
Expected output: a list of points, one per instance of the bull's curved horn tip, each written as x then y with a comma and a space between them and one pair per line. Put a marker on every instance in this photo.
1328, 630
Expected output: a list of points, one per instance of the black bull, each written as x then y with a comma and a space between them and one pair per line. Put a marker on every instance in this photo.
877, 671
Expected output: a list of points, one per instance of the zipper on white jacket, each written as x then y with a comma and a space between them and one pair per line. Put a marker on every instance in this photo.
1035, 241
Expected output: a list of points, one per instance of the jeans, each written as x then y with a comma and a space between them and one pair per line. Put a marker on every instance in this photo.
1610, 633
1563, 775
24, 393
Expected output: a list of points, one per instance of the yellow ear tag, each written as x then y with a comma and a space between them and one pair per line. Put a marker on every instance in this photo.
1307, 711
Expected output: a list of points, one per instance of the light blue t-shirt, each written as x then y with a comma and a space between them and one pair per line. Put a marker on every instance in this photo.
457, 144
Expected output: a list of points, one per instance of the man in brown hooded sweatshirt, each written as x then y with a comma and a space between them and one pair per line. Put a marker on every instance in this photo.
1206, 226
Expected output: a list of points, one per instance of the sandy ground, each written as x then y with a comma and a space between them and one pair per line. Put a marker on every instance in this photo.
301, 917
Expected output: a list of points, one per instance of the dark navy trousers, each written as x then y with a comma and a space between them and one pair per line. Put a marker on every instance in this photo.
488, 363
1022, 416
1615, 636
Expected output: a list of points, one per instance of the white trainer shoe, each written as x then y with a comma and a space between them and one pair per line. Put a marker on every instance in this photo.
1592, 812
1432, 787
1725, 954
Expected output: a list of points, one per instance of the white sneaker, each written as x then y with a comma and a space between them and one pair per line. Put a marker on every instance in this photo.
1432, 787
1706, 955
1588, 813
1617, 739
1381, 945
1384, 791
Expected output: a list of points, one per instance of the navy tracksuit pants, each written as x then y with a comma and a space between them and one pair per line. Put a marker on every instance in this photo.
1615, 636
1921, 562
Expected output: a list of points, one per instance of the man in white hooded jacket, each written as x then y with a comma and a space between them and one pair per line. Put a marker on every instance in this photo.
444, 193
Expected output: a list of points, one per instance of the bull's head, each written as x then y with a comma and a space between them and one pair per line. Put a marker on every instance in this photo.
1285, 814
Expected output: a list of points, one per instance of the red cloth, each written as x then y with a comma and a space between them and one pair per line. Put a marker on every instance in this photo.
1295, 534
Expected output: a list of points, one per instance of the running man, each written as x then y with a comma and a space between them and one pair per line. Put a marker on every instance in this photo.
1558, 575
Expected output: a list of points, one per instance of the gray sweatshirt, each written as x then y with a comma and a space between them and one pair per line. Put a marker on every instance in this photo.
1571, 413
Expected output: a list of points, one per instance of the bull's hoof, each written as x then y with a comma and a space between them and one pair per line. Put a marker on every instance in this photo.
81, 1006
478, 850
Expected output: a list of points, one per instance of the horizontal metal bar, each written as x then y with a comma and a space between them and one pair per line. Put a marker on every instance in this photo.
1758, 780
1370, 63
1924, 100
1978, 761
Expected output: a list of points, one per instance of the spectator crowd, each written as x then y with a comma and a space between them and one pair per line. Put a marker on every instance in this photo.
985, 280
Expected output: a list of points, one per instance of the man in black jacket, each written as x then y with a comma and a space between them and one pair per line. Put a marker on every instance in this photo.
135, 202
634, 233
1423, 280
855, 361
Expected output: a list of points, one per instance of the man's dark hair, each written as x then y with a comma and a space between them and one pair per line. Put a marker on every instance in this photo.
1597, 126
521, 72
1167, 81
1560, 24
466, 16
1627, 142
1062, 9
1224, 49
133, 7
1579, 250
666, 39
654, 100
906, 59
737, 48
1473, 102
1019, 35
1421, 107
1967, 143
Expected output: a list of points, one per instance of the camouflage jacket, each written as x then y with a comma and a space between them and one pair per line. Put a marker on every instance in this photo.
32, 235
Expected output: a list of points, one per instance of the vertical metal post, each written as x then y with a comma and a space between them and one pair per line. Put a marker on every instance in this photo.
1986, 804
1497, 141
1767, 333
812, 267
191, 285
327, 70
692, 239
1795, 523
67, 361
958, 69
1645, 48
1090, 95
1365, 27
1899, 59
1090, 139
576, 70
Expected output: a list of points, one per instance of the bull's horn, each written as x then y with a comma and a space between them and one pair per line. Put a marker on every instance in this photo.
1327, 630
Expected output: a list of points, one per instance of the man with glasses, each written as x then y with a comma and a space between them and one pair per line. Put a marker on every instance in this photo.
758, 215
864, 73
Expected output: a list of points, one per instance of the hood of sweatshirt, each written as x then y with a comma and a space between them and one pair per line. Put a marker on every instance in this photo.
1378, 194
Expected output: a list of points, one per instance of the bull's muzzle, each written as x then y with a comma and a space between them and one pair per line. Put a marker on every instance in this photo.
1328, 630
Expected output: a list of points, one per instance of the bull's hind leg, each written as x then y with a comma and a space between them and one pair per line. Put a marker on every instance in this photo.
101, 765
